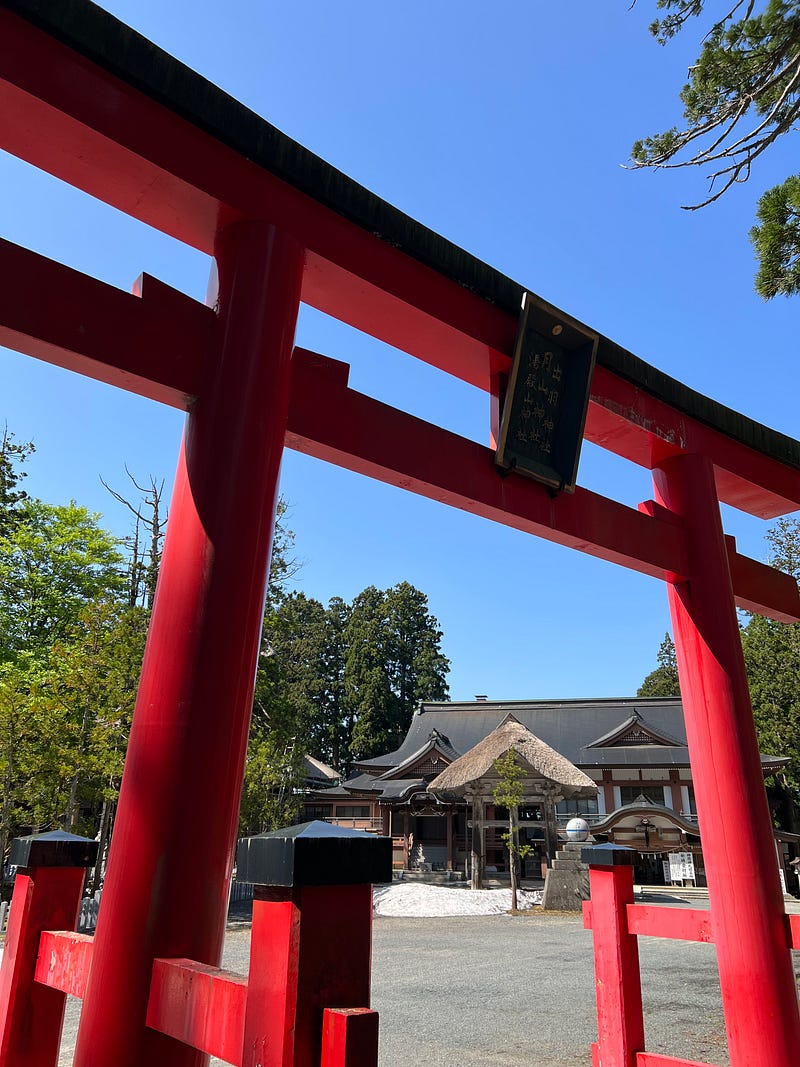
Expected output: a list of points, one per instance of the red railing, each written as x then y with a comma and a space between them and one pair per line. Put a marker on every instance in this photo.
617, 922
301, 961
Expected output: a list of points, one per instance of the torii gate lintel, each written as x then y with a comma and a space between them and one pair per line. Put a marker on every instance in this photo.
88, 100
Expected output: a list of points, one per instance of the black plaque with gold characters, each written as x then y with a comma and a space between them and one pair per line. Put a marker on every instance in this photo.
548, 393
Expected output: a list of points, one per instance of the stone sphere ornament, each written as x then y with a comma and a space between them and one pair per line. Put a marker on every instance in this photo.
577, 830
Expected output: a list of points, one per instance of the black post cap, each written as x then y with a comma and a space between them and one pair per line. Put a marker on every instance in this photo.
55, 849
314, 853
608, 855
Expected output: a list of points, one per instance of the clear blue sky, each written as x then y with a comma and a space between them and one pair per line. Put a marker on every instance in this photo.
502, 126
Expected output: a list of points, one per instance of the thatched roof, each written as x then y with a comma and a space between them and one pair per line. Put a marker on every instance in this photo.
475, 769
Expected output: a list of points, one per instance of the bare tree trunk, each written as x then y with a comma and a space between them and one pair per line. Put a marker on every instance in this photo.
512, 854
105, 830
73, 812
478, 857
144, 573
550, 832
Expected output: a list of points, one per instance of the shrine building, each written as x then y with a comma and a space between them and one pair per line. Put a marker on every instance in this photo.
631, 753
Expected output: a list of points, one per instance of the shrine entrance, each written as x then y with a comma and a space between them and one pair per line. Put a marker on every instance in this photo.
88, 100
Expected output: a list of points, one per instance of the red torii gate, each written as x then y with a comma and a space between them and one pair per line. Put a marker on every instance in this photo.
85, 98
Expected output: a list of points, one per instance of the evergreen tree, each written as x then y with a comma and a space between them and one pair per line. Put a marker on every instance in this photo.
743, 94
273, 779
772, 657
12, 456
772, 660
394, 661
663, 681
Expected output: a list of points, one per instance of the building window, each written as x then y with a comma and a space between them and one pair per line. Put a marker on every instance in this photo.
577, 806
317, 811
352, 811
629, 793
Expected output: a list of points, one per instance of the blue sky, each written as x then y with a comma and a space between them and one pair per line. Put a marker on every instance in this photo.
504, 128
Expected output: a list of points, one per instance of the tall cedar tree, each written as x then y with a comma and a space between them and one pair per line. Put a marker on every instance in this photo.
273, 779
772, 658
743, 94
12, 456
394, 661
663, 681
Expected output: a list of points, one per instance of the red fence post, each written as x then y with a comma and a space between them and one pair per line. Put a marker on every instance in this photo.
620, 1023
311, 944
349, 1037
166, 889
759, 996
47, 896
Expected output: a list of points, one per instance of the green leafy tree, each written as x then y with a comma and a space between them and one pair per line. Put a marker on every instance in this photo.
71, 641
274, 776
394, 661
271, 795
12, 456
663, 681
743, 94
772, 657
508, 794
87, 693
20, 727
367, 675
54, 561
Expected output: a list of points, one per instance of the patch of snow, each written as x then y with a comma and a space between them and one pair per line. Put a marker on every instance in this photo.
425, 901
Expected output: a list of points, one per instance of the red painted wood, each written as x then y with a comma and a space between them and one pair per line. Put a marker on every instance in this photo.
158, 346
31, 1015
762, 589
64, 961
684, 924
155, 343
75, 120
349, 1037
794, 931
759, 995
620, 1023
166, 887
653, 1059
310, 950
332, 422
201, 1006
625, 419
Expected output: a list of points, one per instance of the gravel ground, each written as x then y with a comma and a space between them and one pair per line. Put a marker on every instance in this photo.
513, 991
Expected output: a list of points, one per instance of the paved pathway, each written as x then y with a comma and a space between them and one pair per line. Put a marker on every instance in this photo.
503, 991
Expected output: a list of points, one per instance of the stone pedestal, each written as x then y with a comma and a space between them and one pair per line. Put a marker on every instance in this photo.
566, 883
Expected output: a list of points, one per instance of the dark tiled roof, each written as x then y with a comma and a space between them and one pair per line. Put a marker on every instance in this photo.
635, 723
434, 743
401, 788
568, 726
571, 727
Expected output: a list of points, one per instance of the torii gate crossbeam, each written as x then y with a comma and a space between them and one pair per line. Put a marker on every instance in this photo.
88, 100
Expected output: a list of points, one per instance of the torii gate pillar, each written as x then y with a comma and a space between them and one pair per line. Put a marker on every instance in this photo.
747, 911
171, 857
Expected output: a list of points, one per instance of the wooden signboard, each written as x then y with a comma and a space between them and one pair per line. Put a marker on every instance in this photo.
548, 392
